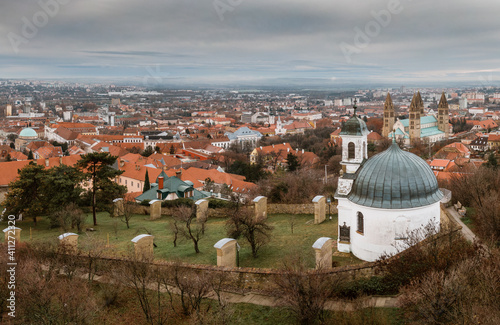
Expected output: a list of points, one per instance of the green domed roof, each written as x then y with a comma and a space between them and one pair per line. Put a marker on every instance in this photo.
354, 126
28, 133
395, 179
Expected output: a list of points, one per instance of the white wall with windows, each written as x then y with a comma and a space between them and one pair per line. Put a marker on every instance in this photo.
382, 230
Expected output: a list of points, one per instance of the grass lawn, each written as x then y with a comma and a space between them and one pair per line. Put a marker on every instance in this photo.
282, 242
468, 219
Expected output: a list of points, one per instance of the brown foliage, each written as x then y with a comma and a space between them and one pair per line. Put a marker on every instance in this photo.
43, 296
438, 252
292, 188
480, 190
469, 293
304, 292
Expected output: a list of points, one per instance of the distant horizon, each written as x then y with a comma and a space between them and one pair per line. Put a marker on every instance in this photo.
261, 83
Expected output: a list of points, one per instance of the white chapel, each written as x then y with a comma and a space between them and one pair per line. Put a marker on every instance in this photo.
381, 199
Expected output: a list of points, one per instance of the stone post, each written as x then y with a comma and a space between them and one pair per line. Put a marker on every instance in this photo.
319, 209
118, 208
13, 233
143, 247
201, 210
68, 242
260, 207
324, 251
155, 209
227, 250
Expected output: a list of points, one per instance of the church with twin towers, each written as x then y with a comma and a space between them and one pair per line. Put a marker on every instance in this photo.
418, 127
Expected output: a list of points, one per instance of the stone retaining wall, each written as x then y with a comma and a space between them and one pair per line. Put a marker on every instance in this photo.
307, 208
243, 279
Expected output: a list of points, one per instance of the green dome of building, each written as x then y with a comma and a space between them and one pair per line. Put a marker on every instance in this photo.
28, 133
354, 126
395, 179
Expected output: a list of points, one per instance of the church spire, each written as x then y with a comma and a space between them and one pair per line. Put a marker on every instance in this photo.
389, 116
416, 112
443, 116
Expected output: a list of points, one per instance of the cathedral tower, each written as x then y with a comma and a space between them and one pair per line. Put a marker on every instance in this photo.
443, 117
389, 116
416, 112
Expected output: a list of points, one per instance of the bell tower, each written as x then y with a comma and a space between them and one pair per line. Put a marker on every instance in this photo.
389, 116
416, 112
354, 151
443, 117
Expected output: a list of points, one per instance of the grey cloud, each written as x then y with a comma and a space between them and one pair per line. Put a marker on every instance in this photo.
279, 37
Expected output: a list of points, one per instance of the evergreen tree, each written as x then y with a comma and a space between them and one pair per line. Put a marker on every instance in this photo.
147, 185
98, 171
492, 161
62, 186
26, 193
30, 155
148, 151
293, 162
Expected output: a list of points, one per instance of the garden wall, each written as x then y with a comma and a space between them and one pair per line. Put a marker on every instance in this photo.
307, 208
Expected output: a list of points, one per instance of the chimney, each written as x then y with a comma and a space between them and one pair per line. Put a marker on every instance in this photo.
122, 163
160, 182
46, 162
178, 174
60, 161
302, 150
287, 149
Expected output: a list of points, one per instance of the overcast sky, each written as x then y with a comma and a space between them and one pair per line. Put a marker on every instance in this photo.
412, 41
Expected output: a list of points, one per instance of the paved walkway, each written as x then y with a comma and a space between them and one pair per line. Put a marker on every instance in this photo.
469, 235
270, 301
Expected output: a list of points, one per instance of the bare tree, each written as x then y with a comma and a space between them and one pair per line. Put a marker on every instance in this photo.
127, 214
242, 223
190, 287
304, 292
145, 281
190, 228
174, 227
93, 248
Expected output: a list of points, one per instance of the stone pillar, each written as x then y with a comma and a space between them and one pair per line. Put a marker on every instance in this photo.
155, 209
319, 209
68, 242
260, 207
143, 247
201, 210
227, 250
13, 232
118, 208
324, 251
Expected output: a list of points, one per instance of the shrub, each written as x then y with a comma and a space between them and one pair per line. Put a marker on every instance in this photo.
178, 203
217, 204
145, 203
